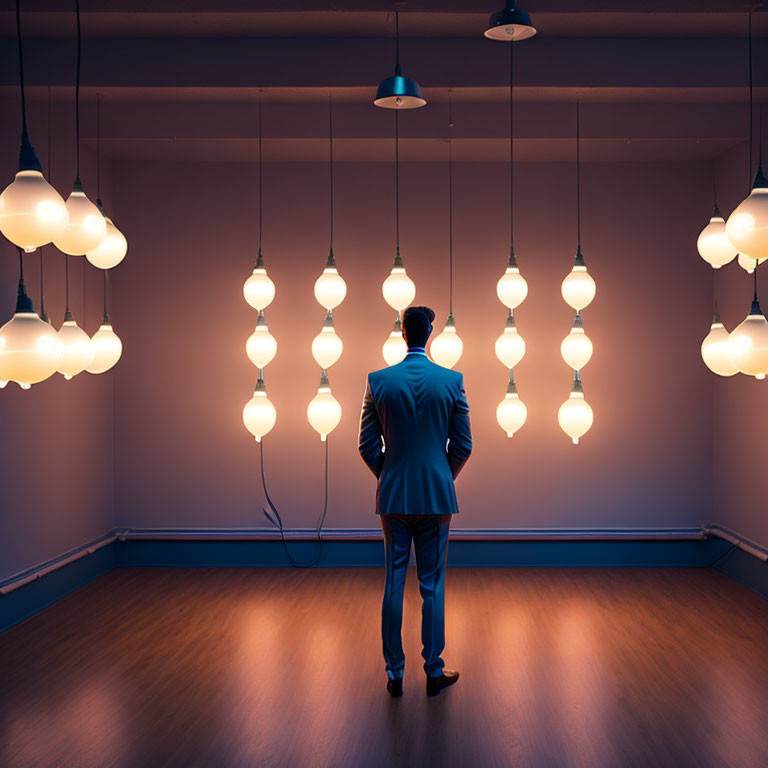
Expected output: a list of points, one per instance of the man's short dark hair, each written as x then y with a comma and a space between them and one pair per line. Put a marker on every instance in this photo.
417, 324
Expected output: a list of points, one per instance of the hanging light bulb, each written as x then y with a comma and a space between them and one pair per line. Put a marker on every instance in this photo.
512, 287
394, 348
261, 346
78, 350
32, 212
107, 348
510, 24
511, 412
113, 248
398, 289
324, 410
259, 415
510, 346
576, 348
330, 288
327, 346
713, 243
86, 228
578, 287
747, 264
30, 349
259, 290
714, 349
575, 415
747, 345
747, 226
447, 347
398, 91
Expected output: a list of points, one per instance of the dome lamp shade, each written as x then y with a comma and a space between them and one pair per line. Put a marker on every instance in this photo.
510, 24
399, 91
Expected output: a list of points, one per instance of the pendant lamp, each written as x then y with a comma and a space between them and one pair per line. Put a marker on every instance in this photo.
259, 290
748, 343
32, 213
511, 412
330, 288
86, 227
575, 415
112, 251
510, 346
713, 244
327, 346
747, 226
394, 348
106, 344
78, 351
261, 346
446, 348
510, 24
747, 264
259, 415
714, 349
576, 347
324, 410
30, 349
398, 91
398, 289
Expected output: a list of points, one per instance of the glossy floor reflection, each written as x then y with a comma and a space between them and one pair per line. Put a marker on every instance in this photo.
274, 667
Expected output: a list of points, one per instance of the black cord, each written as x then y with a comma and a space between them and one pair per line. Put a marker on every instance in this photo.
578, 175
21, 69
260, 180
77, 88
749, 179
106, 280
397, 178
330, 156
511, 145
98, 148
450, 209
277, 520
397, 42
66, 280
21, 264
722, 557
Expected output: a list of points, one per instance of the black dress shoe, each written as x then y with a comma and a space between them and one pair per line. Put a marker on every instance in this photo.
395, 687
436, 684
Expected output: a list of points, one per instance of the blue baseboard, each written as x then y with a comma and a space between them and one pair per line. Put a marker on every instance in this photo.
42, 592
55, 583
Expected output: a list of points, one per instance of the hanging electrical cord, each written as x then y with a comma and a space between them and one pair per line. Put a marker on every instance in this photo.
77, 91
450, 207
330, 159
21, 69
578, 175
43, 314
397, 180
277, 521
751, 119
511, 148
98, 151
259, 177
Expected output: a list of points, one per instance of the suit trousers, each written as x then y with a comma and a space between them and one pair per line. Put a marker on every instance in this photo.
429, 534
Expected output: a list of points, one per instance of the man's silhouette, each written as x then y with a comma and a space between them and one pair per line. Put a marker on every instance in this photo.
415, 437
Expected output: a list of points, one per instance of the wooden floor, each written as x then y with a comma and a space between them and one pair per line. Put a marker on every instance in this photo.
601, 668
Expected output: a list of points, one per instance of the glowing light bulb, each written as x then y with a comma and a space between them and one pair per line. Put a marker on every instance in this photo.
576, 347
575, 415
114, 247
511, 412
32, 213
86, 228
578, 288
30, 349
447, 347
261, 346
398, 289
324, 410
78, 349
747, 346
714, 349
510, 346
747, 264
259, 290
327, 346
747, 226
512, 287
713, 243
107, 348
259, 415
330, 288
394, 348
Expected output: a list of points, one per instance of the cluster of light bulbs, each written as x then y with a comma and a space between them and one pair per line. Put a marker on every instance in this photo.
33, 214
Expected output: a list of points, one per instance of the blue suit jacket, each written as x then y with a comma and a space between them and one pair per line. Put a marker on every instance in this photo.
419, 410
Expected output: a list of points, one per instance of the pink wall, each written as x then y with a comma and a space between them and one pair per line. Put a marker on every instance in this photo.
741, 408
183, 458
56, 439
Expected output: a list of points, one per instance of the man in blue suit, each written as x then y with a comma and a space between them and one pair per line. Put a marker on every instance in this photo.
415, 437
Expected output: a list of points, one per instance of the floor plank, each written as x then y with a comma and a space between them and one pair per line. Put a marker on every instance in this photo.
231, 667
